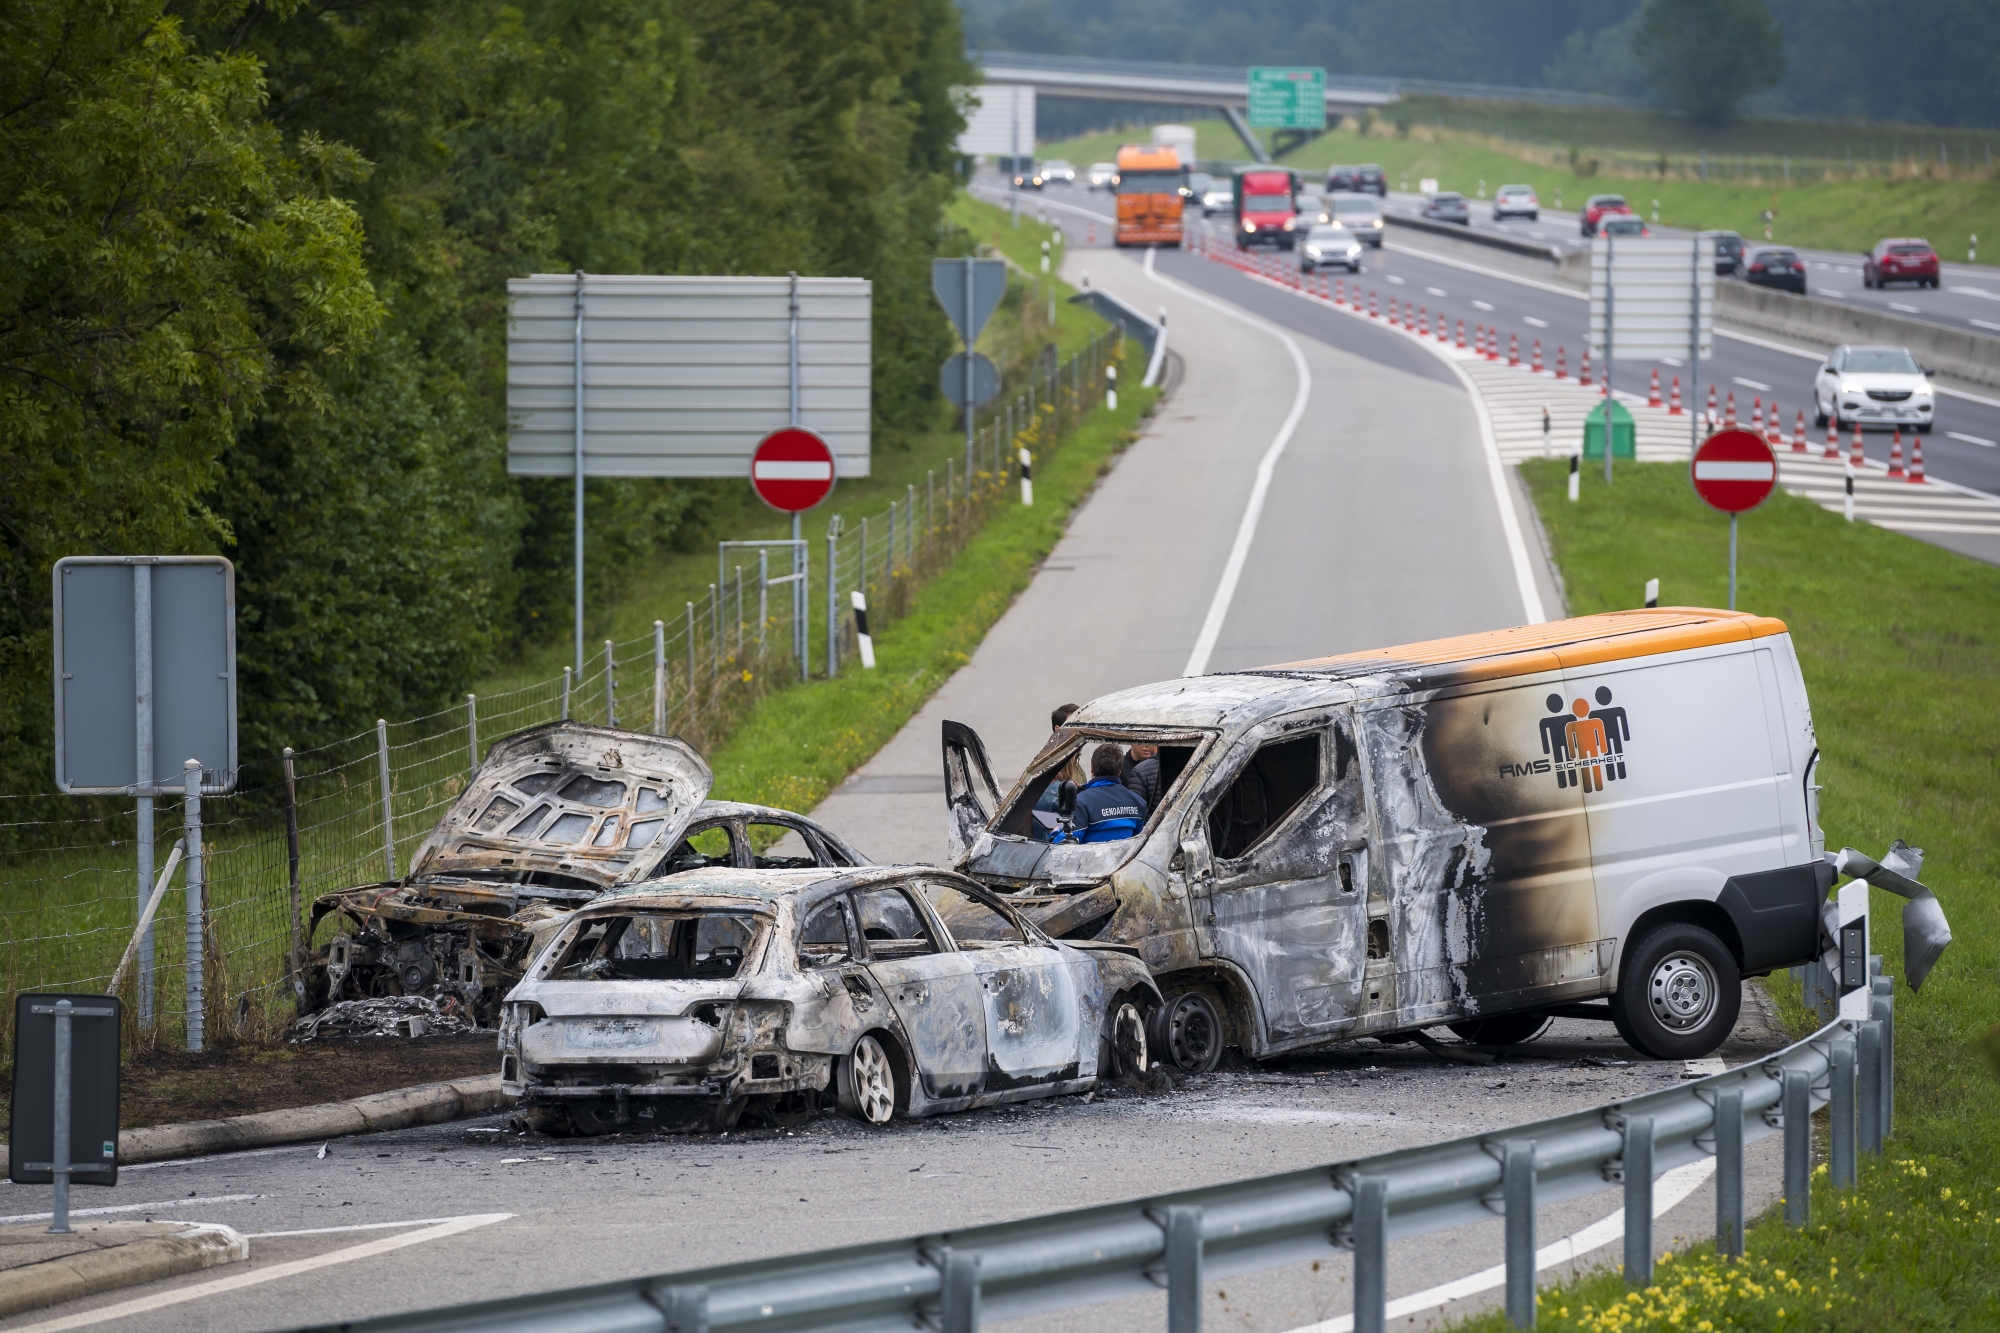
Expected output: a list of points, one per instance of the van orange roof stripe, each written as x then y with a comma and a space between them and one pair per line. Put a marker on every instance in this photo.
1581, 641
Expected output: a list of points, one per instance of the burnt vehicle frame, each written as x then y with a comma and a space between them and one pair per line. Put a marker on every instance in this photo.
882, 991
481, 895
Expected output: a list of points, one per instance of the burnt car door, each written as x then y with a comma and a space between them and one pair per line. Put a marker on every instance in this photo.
971, 795
1281, 857
1034, 1019
931, 986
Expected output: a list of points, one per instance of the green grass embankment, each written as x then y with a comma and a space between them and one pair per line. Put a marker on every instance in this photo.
1899, 643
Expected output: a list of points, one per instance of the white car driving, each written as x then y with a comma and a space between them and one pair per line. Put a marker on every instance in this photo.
1874, 386
1101, 175
1360, 214
1328, 245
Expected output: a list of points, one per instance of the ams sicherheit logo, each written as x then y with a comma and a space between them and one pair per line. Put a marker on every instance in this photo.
1584, 746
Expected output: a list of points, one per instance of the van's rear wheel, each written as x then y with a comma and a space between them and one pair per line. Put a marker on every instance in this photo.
1679, 993
1500, 1029
1187, 1033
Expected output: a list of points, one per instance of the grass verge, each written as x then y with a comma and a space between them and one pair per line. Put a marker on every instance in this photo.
1898, 644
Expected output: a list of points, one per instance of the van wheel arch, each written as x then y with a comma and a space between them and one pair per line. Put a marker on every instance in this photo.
1709, 916
1229, 992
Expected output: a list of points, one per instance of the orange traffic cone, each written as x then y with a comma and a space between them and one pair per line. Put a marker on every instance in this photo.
1653, 394
1832, 438
1799, 433
1537, 365
1513, 349
1562, 370
1674, 405
1729, 415
1857, 455
1584, 378
1916, 458
1896, 454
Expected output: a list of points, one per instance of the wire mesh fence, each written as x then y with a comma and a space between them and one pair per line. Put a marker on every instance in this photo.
222, 959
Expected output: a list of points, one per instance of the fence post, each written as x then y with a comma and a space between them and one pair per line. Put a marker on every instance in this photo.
191, 839
958, 1292
1183, 1228
1868, 1066
1517, 1192
659, 677
909, 527
388, 810
1638, 1162
1729, 1173
1840, 1074
1882, 1008
471, 733
714, 637
763, 600
689, 692
832, 603
1796, 1107
739, 613
610, 686
568, 680
292, 881
889, 556
1371, 1254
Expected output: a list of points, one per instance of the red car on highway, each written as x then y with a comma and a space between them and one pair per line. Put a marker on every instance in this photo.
1900, 259
1602, 206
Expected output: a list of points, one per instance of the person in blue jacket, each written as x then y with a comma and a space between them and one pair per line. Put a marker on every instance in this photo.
1106, 809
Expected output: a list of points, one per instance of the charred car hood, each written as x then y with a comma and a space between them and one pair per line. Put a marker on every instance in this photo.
587, 803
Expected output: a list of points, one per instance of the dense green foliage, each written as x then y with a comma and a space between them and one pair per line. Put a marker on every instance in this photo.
255, 299
1706, 56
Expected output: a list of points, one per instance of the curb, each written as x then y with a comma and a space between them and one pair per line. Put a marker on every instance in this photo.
110, 1263
424, 1104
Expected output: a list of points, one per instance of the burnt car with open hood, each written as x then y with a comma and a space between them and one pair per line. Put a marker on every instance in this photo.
1610, 817
554, 816
693, 1001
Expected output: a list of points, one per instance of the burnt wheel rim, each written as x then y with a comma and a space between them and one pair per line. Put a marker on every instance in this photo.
1128, 1040
1191, 1032
874, 1083
1682, 992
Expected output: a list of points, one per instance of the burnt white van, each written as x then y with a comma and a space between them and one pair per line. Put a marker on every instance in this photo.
1607, 817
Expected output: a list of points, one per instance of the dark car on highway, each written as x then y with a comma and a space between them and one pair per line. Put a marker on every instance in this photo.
1600, 207
1728, 252
1900, 259
1619, 225
1775, 266
1342, 178
1368, 179
1448, 206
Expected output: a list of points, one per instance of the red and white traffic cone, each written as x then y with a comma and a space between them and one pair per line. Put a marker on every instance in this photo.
1562, 370
1729, 416
1461, 335
1916, 458
1372, 313
1443, 328
1832, 438
1513, 349
1584, 378
1410, 318
1479, 340
1896, 454
1799, 433
1757, 415
1653, 394
1423, 319
1340, 292
1492, 344
1857, 455
1392, 312
1711, 407
1537, 366
1674, 403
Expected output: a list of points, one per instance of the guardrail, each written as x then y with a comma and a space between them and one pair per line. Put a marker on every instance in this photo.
1491, 239
952, 1281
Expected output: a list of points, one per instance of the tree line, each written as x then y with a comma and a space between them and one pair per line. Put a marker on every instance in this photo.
254, 299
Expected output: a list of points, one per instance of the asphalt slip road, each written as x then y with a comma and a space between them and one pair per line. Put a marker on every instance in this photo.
1380, 525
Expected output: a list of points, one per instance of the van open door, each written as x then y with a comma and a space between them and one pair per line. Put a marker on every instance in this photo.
971, 796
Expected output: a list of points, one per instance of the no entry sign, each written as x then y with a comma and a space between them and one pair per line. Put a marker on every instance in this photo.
792, 470
1734, 470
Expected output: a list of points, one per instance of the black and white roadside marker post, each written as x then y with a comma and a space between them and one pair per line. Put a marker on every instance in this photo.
863, 640
1111, 388
1847, 502
1575, 480
1027, 479
1652, 593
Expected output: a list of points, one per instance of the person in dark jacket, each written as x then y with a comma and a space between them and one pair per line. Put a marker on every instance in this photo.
1072, 771
1141, 773
1106, 809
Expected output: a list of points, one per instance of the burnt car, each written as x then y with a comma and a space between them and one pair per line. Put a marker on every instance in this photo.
722, 993
554, 816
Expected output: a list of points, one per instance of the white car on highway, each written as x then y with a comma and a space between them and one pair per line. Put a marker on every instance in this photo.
1516, 201
1101, 175
1328, 245
1360, 214
1222, 199
1881, 386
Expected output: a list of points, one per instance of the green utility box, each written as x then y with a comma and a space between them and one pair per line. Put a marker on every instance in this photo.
1624, 435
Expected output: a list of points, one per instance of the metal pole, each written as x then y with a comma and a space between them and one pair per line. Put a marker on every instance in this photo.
1694, 348
577, 380
471, 733
1882, 1008
60, 1165
958, 1295
1517, 1190
610, 686
1638, 1161
690, 670
568, 681
1732, 562
909, 525
1183, 1227
1371, 1254
388, 809
142, 672
793, 362
292, 879
739, 613
1869, 1067
191, 839
1729, 1173
968, 365
763, 598
1795, 1104
1840, 1074
832, 607
1609, 293
659, 677
801, 599
1013, 187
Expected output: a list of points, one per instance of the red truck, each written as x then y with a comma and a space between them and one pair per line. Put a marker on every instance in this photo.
1267, 208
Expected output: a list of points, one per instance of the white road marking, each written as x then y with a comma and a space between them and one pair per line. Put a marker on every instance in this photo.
1668, 1191
1906, 309
1246, 530
1673, 361
1983, 323
1436, 291
1758, 385
1828, 291
1534, 323
356, 1226
1482, 305
256, 1277
1392, 277
1969, 439
1975, 291
133, 1208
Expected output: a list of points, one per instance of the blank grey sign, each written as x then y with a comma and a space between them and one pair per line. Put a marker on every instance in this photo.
194, 672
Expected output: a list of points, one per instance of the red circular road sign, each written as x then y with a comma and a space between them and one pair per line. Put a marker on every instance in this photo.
792, 469
1734, 470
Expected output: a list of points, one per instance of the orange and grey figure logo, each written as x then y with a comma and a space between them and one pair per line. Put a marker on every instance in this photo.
1587, 745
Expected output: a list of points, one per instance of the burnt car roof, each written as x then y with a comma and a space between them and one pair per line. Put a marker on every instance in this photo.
600, 805
753, 886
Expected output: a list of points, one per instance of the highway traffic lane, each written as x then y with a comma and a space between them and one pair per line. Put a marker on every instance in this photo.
1122, 597
595, 1210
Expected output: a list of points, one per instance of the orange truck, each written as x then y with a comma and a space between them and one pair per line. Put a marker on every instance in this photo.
1151, 186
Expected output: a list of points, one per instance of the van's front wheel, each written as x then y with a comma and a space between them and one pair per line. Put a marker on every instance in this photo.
1679, 993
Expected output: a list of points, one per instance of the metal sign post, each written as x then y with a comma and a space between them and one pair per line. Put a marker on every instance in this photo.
65, 1096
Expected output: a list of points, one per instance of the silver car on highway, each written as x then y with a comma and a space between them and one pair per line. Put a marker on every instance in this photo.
883, 991
1874, 386
1325, 247
1360, 214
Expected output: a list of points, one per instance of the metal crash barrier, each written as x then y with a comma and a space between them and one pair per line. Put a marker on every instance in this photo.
951, 1281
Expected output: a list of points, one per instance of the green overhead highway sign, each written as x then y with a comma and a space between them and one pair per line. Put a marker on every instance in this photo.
1287, 97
